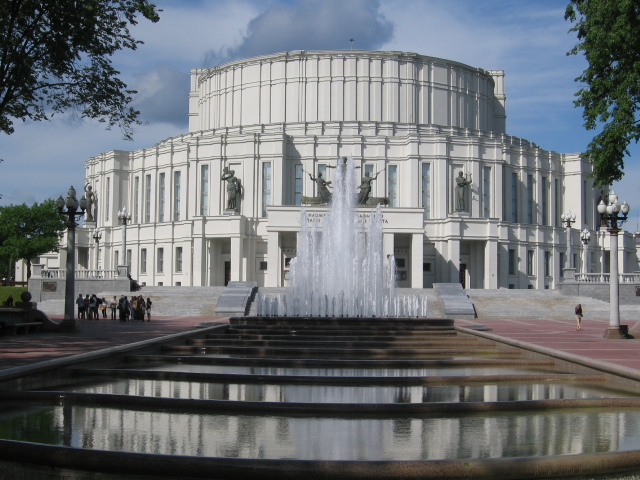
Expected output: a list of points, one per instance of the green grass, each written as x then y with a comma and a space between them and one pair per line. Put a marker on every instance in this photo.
15, 291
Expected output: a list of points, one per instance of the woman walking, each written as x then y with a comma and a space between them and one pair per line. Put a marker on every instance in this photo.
579, 316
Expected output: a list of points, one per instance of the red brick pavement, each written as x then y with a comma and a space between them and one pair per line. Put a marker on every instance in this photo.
562, 335
18, 350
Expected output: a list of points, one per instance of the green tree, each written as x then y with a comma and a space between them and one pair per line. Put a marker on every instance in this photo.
55, 56
27, 232
609, 37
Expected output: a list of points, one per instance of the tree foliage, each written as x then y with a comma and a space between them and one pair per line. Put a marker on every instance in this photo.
55, 57
609, 37
27, 232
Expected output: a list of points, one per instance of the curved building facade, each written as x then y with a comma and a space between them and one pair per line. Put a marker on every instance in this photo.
417, 121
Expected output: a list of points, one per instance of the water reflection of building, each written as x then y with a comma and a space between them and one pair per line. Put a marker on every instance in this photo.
419, 121
485, 435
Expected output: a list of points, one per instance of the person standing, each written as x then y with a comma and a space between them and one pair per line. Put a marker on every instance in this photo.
103, 307
579, 317
93, 307
80, 303
113, 305
148, 305
87, 311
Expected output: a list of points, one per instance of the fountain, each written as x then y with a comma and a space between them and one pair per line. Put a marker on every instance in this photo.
340, 269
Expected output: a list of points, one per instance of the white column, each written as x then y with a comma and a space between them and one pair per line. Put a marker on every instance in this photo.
236, 259
454, 260
614, 288
491, 264
273, 260
416, 260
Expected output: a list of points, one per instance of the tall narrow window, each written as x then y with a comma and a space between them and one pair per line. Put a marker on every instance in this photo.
129, 259
426, 189
547, 263
322, 169
514, 197
512, 261
298, 184
147, 198
266, 187
143, 260
486, 192
161, 192
204, 190
106, 199
176, 196
178, 259
561, 258
160, 260
529, 198
544, 202
136, 199
116, 260
530, 260
393, 185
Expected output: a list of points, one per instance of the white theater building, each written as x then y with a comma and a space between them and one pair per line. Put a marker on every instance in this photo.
419, 121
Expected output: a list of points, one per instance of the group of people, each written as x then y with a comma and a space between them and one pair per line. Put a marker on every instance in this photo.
134, 309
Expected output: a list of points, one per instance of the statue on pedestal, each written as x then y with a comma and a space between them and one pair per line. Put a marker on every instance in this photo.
91, 203
323, 188
365, 188
233, 187
461, 185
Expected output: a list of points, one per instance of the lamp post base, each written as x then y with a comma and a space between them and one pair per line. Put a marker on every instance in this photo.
69, 326
617, 332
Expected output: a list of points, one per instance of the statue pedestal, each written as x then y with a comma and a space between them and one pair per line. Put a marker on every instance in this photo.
90, 224
230, 212
461, 214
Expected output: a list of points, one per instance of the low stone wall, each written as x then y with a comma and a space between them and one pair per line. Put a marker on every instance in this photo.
50, 284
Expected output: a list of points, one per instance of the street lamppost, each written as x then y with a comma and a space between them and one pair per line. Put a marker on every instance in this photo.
609, 213
585, 236
124, 217
72, 205
568, 219
97, 235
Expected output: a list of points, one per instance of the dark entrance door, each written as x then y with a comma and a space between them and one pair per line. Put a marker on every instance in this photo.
227, 273
463, 274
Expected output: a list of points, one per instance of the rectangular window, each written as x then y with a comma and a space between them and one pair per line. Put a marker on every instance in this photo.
512, 261
547, 264
176, 196
393, 185
529, 198
262, 266
514, 197
143, 260
129, 259
426, 189
323, 170
544, 203
160, 260
530, 259
486, 192
161, 191
136, 199
266, 187
147, 199
178, 259
299, 180
106, 199
561, 260
116, 260
204, 190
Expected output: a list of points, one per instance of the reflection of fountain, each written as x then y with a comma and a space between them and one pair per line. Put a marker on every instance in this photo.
342, 270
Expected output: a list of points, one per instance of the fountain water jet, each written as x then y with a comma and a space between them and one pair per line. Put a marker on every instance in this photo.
340, 268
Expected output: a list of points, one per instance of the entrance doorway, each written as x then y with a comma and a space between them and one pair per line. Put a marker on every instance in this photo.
463, 275
227, 272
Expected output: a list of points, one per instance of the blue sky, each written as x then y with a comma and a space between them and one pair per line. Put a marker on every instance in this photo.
528, 40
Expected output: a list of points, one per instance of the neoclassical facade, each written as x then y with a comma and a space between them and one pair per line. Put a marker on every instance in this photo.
417, 122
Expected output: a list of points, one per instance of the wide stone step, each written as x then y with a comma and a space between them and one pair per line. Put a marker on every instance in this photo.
403, 337
333, 322
339, 332
356, 344
336, 352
